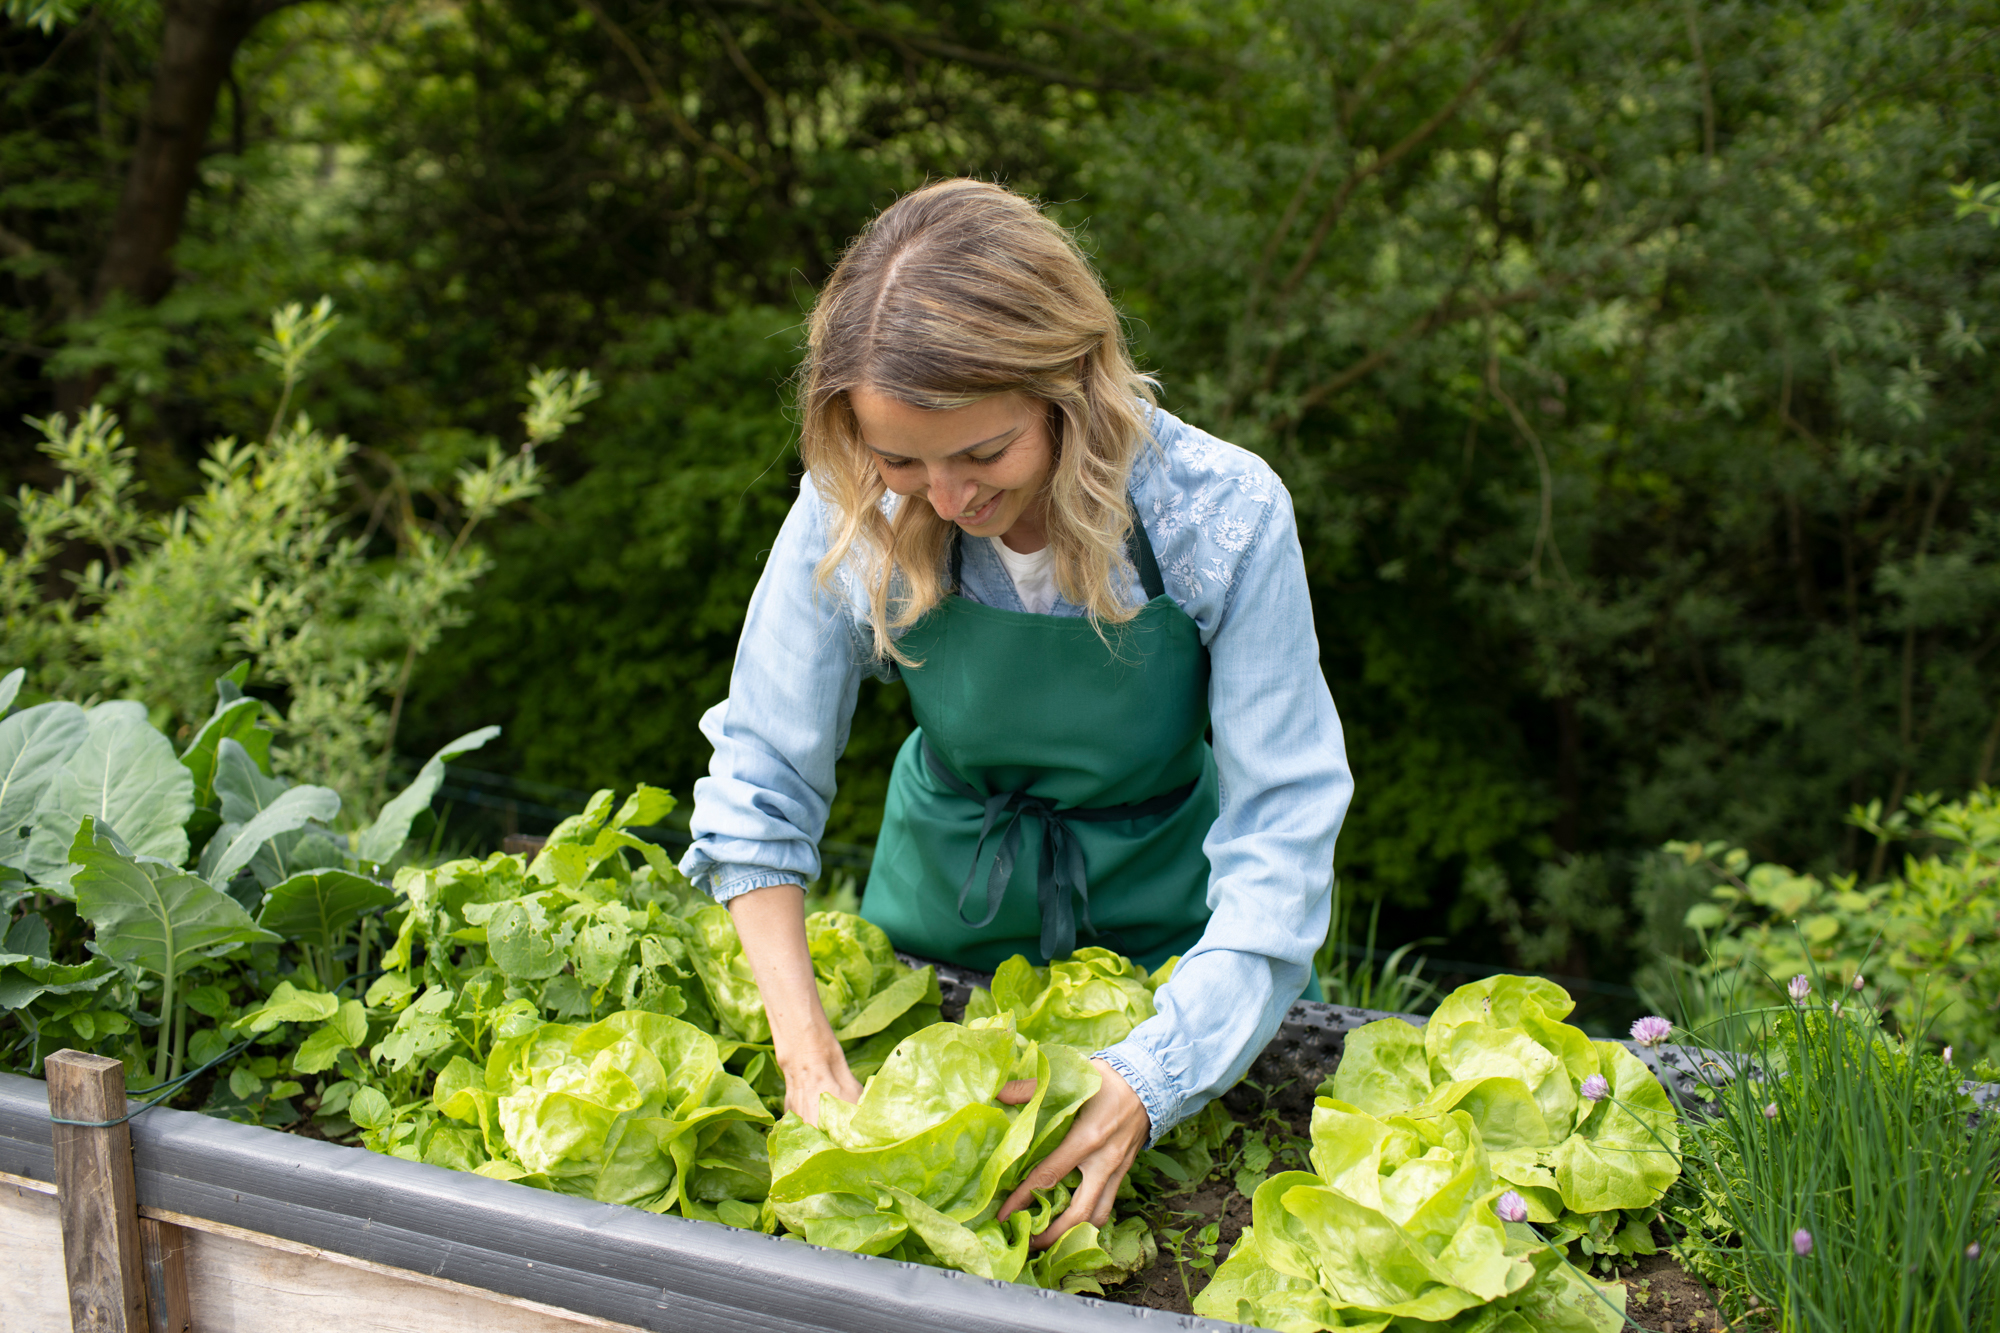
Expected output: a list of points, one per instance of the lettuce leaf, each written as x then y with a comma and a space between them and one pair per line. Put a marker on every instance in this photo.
1090, 1000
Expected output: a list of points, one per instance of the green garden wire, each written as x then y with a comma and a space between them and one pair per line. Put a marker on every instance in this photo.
165, 1090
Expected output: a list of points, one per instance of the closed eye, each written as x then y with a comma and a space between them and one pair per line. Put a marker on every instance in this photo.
889, 461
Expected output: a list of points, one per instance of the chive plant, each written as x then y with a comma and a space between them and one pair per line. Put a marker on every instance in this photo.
1843, 1178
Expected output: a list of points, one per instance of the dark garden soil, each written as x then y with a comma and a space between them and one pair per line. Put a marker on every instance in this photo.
1160, 1287
1662, 1296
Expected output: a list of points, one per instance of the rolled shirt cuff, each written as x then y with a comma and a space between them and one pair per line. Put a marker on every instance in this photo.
1136, 1065
726, 882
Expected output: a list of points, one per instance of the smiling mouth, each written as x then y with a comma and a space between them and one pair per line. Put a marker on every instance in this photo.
981, 514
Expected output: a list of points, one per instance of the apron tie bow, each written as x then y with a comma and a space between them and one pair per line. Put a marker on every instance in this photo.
1060, 876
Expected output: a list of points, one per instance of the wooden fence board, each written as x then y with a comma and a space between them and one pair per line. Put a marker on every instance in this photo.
33, 1296
243, 1282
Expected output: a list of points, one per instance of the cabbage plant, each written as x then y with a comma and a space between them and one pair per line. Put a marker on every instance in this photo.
1395, 1228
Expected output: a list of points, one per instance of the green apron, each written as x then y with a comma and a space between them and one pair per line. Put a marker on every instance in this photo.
1057, 789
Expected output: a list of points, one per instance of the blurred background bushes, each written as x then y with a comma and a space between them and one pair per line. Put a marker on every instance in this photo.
1629, 365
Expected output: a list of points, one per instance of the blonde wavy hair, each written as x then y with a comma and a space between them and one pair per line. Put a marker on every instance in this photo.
954, 293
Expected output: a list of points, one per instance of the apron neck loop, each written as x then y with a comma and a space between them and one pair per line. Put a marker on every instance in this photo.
1138, 549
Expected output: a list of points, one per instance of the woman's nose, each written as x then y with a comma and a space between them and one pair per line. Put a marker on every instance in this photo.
951, 496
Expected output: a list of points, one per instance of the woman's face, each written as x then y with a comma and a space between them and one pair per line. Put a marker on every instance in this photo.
981, 467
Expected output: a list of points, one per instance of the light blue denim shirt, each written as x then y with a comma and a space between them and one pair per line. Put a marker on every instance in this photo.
1222, 528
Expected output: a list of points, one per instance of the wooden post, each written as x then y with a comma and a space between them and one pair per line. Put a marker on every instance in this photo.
165, 1248
96, 1195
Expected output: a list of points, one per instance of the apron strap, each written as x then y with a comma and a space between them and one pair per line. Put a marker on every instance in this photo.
1060, 874
1138, 548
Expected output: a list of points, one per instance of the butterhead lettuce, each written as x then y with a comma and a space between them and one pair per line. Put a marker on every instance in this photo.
636, 1109
1395, 1228
918, 1168
1090, 1000
1499, 1051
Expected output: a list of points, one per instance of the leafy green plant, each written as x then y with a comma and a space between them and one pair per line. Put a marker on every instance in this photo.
1933, 931
1090, 1000
917, 1168
1579, 1128
635, 1109
1843, 1170
182, 867
1396, 1223
1192, 1248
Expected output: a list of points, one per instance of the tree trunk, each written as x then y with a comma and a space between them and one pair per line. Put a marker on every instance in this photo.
197, 46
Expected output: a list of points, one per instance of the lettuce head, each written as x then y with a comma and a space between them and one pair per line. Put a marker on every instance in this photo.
636, 1109
918, 1168
1499, 1050
1395, 1228
1090, 1000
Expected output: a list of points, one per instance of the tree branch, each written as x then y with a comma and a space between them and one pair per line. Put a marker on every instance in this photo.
682, 126
1401, 149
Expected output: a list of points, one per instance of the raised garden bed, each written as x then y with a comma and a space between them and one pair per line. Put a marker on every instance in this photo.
277, 1230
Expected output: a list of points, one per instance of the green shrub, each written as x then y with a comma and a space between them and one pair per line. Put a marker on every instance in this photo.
267, 563
1928, 939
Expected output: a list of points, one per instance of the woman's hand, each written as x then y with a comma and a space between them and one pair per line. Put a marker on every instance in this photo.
772, 925
1103, 1142
808, 1075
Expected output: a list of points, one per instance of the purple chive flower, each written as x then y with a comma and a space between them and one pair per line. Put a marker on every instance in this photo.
1802, 1242
1771, 1111
1511, 1207
1947, 1055
1651, 1030
1859, 981
1800, 987
1972, 1250
1835, 1008
1595, 1088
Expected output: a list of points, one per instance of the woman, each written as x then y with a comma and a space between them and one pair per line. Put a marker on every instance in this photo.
1074, 586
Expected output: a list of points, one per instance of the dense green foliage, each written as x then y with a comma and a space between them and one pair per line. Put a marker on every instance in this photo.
266, 566
1927, 940
1627, 364
156, 890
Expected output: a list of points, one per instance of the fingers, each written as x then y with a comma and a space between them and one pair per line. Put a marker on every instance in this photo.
1048, 1173
1019, 1092
1103, 1142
